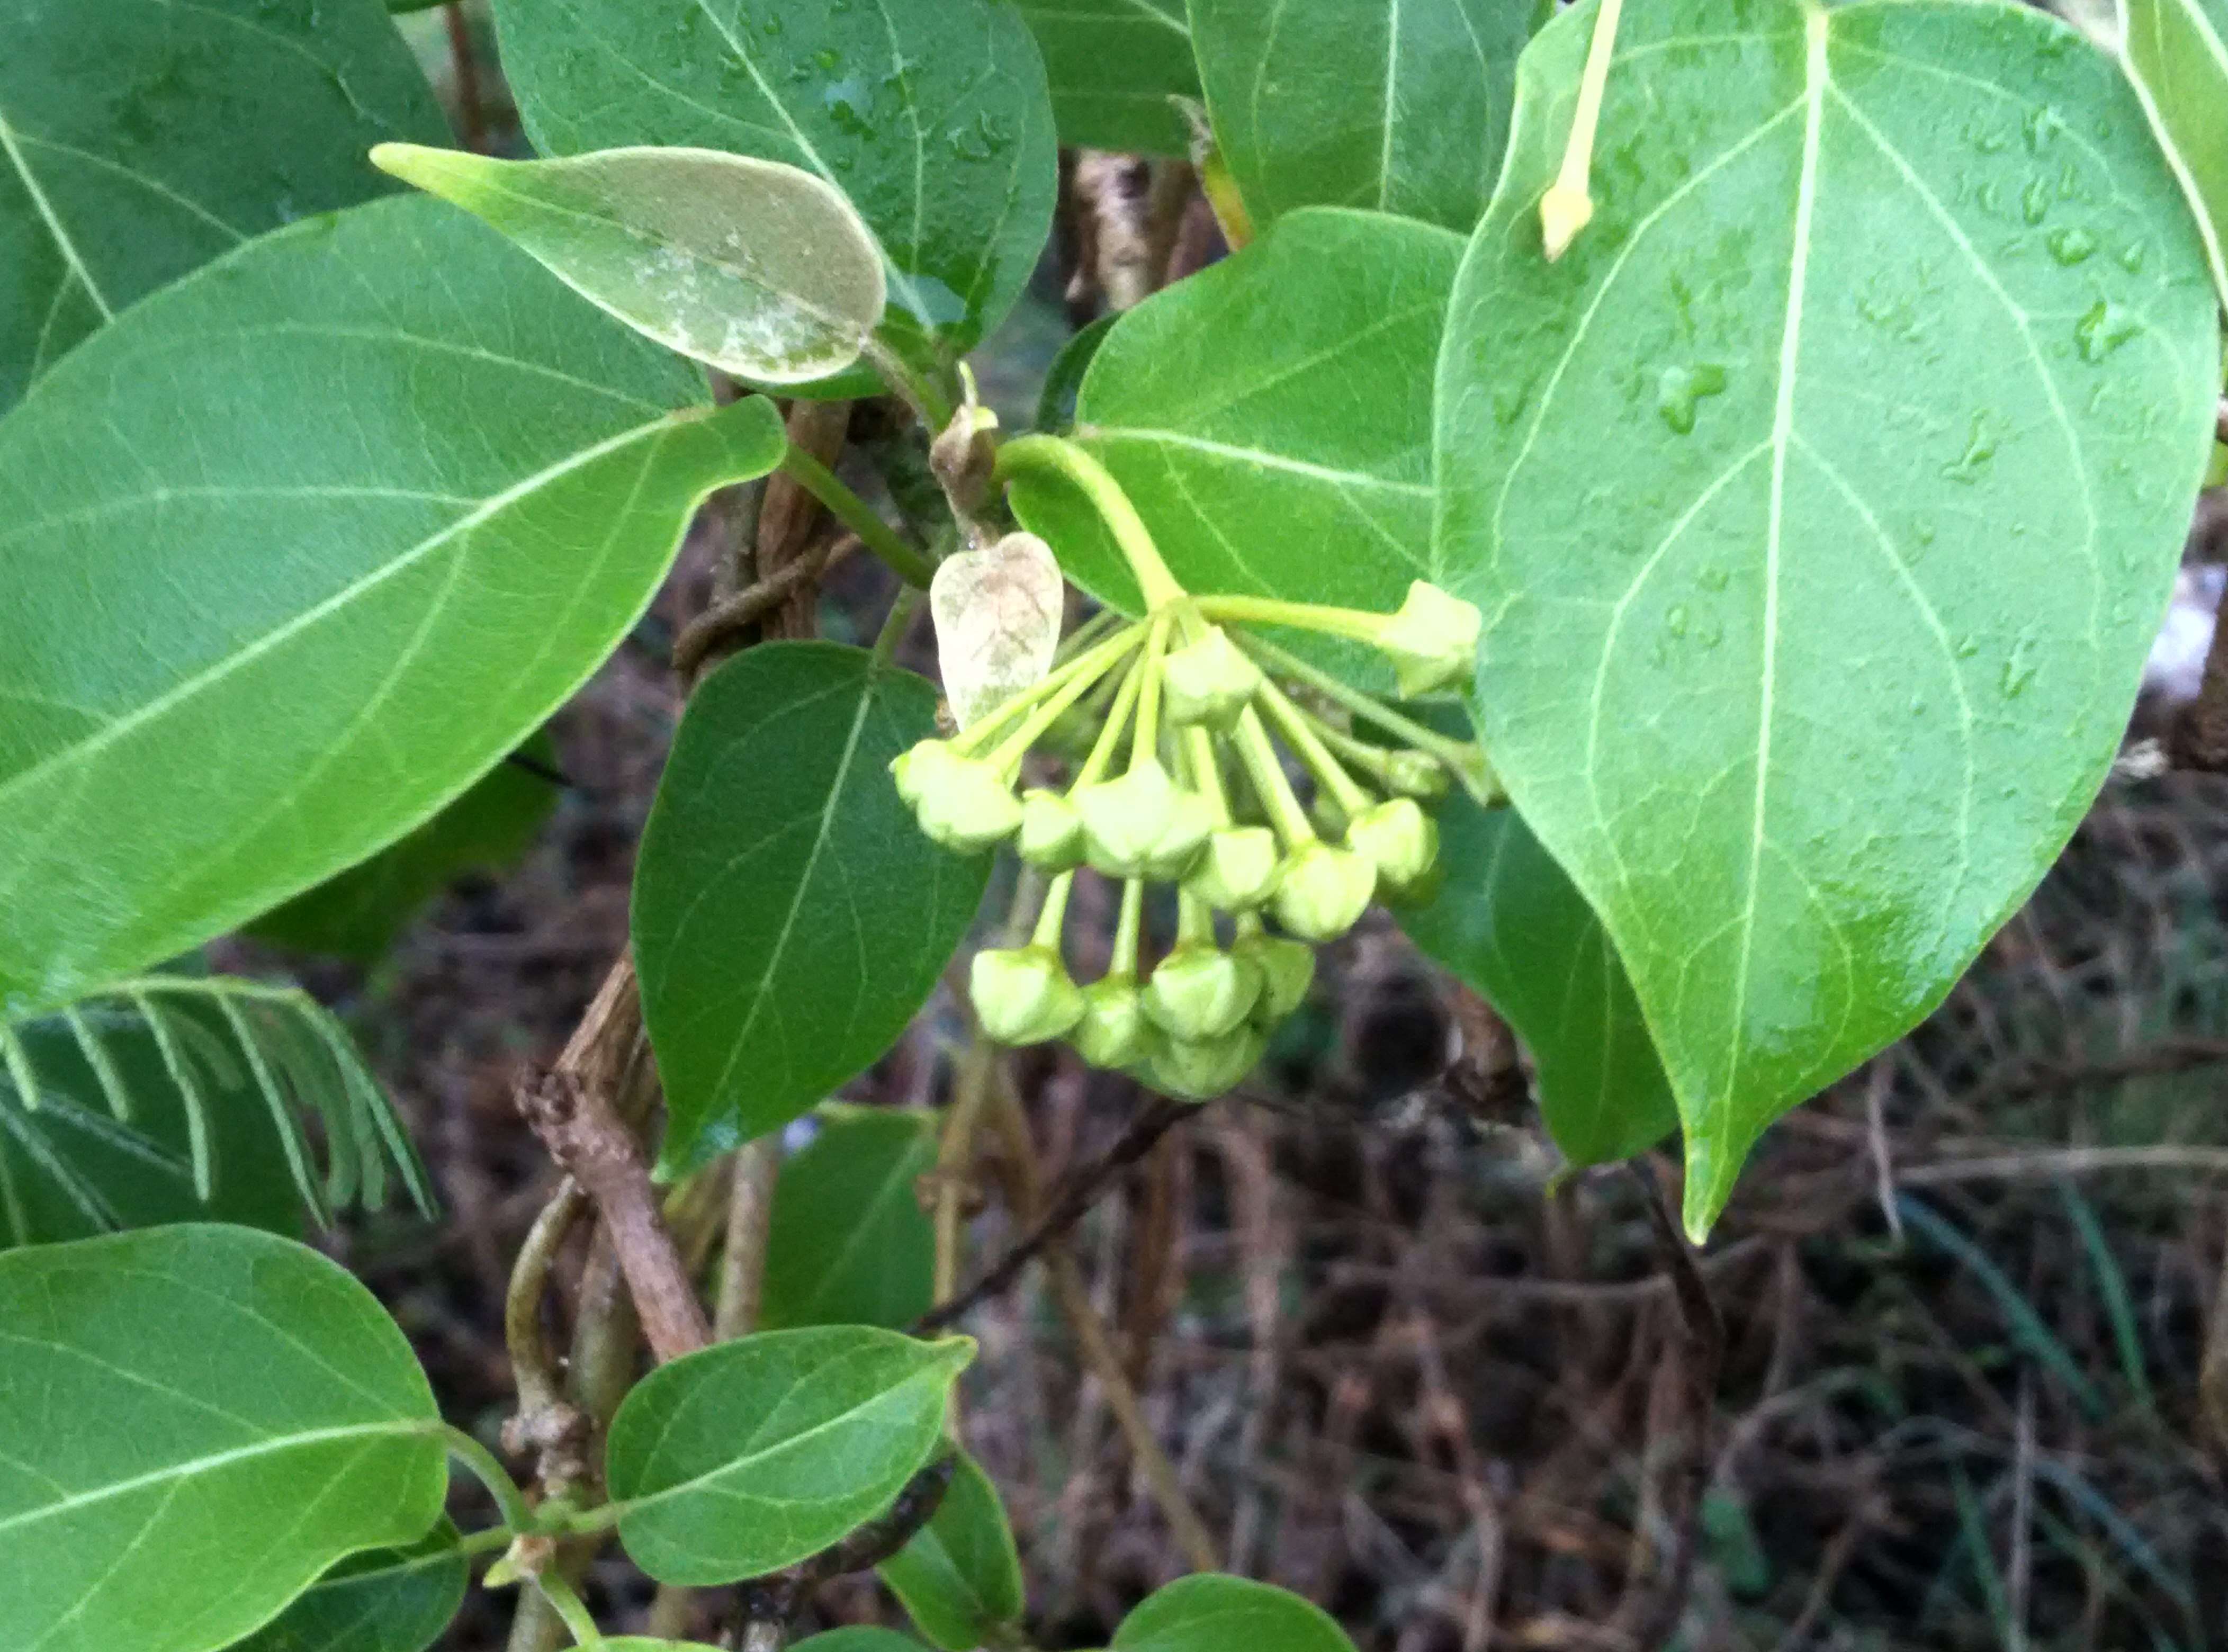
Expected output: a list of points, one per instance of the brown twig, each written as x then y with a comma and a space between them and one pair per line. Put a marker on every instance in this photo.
715, 633
471, 112
769, 1602
1069, 1205
789, 517
570, 1108
1680, 1401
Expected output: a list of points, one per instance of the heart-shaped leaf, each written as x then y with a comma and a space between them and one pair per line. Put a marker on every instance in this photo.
140, 138
850, 1243
1210, 1613
2176, 53
1113, 66
195, 1423
387, 1600
1821, 505
756, 267
789, 916
753, 1454
358, 611
1399, 106
1270, 419
358, 914
932, 117
960, 1577
997, 613
1514, 928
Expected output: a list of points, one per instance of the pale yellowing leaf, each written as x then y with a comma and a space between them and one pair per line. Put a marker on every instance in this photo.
997, 616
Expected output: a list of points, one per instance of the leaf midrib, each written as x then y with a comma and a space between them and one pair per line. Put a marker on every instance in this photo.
179, 694
11, 144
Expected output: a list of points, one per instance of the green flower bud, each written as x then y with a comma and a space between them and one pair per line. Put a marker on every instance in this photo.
1191, 823
1114, 1032
1323, 890
1199, 991
1022, 994
1125, 818
1209, 681
1287, 970
963, 803
1400, 837
1417, 892
1432, 641
1202, 1071
1239, 870
1414, 774
1051, 831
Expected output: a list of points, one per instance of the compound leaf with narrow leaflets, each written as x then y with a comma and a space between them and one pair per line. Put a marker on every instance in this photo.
1822, 501
358, 913
434, 507
386, 1600
1270, 419
1114, 66
848, 1242
759, 269
752, 1454
789, 916
1210, 1613
2176, 53
195, 1423
1398, 105
141, 138
1511, 926
931, 115
960, 1577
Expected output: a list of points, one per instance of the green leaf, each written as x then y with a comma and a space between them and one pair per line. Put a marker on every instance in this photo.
1209, 1612
756, 267
1400, 105
1113, 66
789, 916
931, 115
2175, 52
861, 1639
1063, 380
1513, 927
234, 664
359, 913
756, 1453
960, 1577
141, 138
850, 1243
388, 1600
195, 1423
1822, 501
173, 1096
1270, 419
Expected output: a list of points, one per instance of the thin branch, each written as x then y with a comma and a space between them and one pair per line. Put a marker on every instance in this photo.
1070, 1204
749, 1211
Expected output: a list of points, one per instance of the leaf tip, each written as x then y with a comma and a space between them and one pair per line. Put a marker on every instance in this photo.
1564, 212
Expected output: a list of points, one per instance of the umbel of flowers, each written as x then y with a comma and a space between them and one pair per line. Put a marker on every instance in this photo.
1184, 734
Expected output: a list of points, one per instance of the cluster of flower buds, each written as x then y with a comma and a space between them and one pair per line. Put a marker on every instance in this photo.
1179, 734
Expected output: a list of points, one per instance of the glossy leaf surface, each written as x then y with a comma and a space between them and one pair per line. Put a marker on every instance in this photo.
195, 1423
358, 913
1113, 66
141, 138
960, 1578
1398, 105
335, 624
850, 1243
934, 120
755, 267
2176, 52
1906, 368
753, 1454
1273, 447
1514, 928
387, 1600
1210, 1613
789, 915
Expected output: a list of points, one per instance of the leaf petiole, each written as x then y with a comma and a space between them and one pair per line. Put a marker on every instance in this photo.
1568, 206
856, 515
568, 1605
510, 1502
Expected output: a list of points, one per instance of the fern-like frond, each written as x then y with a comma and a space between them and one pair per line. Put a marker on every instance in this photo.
168, 1096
